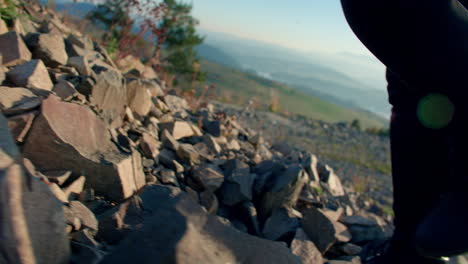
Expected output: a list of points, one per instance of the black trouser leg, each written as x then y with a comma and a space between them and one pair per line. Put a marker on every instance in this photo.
419, 163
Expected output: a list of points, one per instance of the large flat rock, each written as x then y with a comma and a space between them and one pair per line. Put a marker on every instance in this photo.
175, 229
67, 136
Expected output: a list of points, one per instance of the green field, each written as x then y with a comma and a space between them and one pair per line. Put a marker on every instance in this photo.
238, 87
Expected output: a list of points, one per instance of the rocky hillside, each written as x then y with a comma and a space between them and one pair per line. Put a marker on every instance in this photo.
100, 163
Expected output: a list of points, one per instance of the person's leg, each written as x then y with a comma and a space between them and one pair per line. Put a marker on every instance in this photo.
443, 232
419, 167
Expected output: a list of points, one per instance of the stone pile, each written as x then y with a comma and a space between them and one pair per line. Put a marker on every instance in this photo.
102, 164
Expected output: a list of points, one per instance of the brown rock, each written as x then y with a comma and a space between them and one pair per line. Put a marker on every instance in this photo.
31, 74
109, 94
175, 103
149, 145
50, 48
87, 217
209, 201
17, 100
80, 64
173, 226
238, 183
138, 96
282, 222
85, 237
208, 177
13, 49
75, 188
59, 194
154, 88
283, 191
58, 177
64, 89
305, 249
212, 144
26, 204
169, 141
328, 176
178, 129
188, 154
319, 228
68, 136
20, 124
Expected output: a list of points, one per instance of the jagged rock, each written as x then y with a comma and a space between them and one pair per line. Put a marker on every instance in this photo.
212, 144
328, 176
116, 223
363, 229
173, 227
160, 105
84, 237
64, 89
59, 194
149, 145
168, 177
71, 219
166, 157
20, 124
154, 88
305, 249
178, 129
129, 63
75, 188
50, 48
87, 217
68, 136
3, 27
109, 94
319, 228
31, 74
208, 177
13, 50
282, 222
310, 163
350, 249
283, 191
26, 204
238, 182
82, 42
175, 103
188, 154
169, 141
80, 64
212, 127
233, 145
209, 201
139, 99
15, 100
58, 177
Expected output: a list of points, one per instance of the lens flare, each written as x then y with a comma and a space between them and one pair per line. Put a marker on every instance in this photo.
435, 111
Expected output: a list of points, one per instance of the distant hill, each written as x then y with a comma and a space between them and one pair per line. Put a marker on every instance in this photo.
216, 55
341, 77
240, 87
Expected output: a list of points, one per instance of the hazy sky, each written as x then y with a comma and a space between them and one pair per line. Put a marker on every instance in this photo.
307, 25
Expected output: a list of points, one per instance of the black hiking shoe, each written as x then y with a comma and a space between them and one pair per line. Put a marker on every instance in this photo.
386, 252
